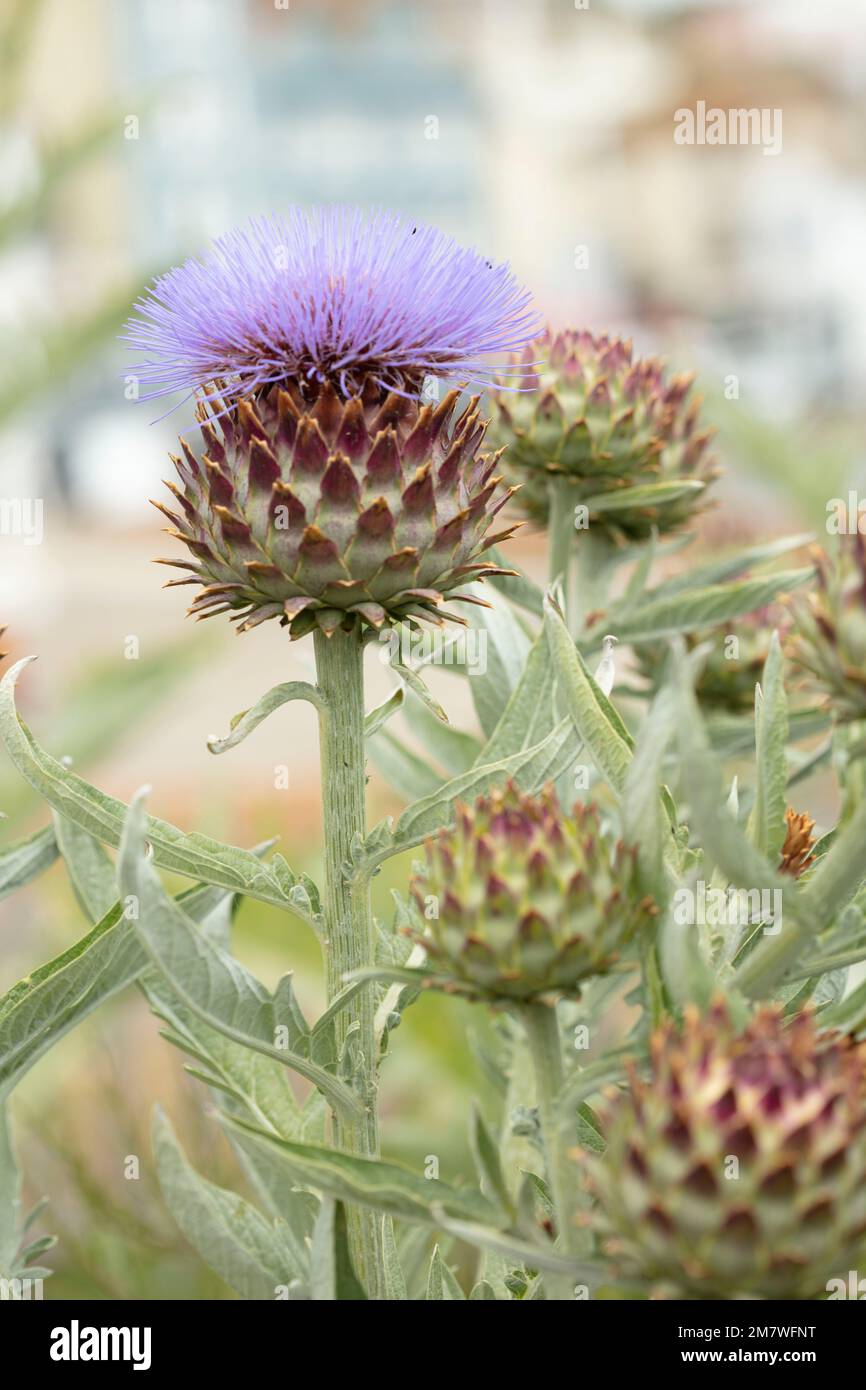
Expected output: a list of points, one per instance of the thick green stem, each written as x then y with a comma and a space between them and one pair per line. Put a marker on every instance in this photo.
349, 943
542, 1032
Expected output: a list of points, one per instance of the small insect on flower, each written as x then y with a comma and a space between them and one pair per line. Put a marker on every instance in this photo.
326, 493
332, 294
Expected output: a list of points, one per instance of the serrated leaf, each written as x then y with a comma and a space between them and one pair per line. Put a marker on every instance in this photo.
194, 856
230, 1234
44, 1006
210, 982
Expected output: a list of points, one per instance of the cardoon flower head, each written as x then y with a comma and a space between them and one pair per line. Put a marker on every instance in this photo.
827, 645
520, 901
334, 295
325, 494
591, 414
737, 1167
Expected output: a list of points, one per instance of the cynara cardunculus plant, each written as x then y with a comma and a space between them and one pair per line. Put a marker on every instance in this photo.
330, 485
326, 492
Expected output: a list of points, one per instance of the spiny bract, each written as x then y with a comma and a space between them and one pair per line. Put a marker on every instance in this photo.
738, 1166
827, 645
521, 901
332, 513
585, 410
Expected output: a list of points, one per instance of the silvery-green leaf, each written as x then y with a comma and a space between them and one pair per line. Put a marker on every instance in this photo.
409, 775
333, 1278
587, 707
517, 587
249, 719
733, 735
452, 749
529, 714
481, 1291
39, 1010
380, 714
419, 690
90, 870
194, 856
849, 1015
530, 769
210, 982
230, 1234
688, 975
371, 1182
506, 647
766, 828
25, 860
644, 495
645, 822
699, 608
731, 565
525, 1252
10, 1195
441, 1284
487, 1164
394, 1279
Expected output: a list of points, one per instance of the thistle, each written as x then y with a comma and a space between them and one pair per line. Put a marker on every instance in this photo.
827, 644
738, 1166
335, 513
325, 493
523, 902
331, 294
580, 408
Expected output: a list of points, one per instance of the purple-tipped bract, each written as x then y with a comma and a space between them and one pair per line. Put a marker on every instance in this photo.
331, 294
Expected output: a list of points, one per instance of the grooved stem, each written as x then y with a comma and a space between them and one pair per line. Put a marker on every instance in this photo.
348, 918
542, 1032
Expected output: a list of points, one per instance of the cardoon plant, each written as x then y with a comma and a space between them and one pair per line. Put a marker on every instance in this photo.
658, 981
326, 493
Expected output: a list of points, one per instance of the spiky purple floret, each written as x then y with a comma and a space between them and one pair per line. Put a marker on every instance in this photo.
331, 293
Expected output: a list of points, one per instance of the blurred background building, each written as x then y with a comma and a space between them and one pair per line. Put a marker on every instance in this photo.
539, 130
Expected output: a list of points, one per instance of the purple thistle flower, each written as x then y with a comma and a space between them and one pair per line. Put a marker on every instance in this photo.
332, 294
